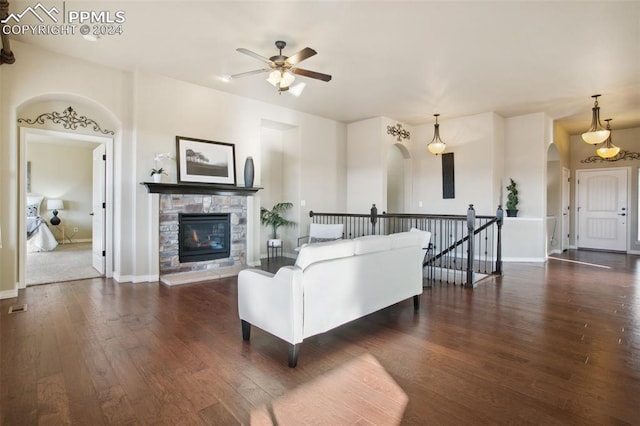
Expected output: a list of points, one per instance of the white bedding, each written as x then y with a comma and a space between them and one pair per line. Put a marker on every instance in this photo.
41, 239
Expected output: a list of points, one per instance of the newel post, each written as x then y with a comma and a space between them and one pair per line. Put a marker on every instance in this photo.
500, 216
374, 219
471, 223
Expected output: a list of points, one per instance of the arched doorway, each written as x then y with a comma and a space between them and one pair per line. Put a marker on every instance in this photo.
398, 179
60, 134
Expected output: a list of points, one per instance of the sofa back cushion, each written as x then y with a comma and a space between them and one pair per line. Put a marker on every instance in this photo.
406, 239
372, 244
321, 232
426, 237
313, 253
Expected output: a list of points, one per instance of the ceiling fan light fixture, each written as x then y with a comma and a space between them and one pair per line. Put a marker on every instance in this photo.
596, 133
287, 79
281, 79
608, 150
274, 77
436, 146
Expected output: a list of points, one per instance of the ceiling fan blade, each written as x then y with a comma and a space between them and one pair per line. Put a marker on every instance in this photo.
255, 55
305, 53
311, 74
245, 74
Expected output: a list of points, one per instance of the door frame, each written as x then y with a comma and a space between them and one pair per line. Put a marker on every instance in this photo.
577, 201
565, 209
24, 134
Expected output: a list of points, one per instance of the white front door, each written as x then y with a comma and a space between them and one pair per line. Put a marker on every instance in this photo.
602, 209
98, 214
565, 208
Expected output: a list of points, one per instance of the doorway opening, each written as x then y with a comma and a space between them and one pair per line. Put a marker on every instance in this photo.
67, 172
398, 179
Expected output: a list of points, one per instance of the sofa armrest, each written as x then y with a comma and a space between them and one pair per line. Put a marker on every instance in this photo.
272, 302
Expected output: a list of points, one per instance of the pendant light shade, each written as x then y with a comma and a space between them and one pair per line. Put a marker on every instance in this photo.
608, 149
436, 146
596, 133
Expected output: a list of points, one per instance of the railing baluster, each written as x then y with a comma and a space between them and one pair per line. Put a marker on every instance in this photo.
471, 222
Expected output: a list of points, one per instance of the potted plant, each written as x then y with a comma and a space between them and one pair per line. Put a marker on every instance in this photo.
512, 199
274, 219
156, 174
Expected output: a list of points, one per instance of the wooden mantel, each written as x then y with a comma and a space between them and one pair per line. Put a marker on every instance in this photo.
198, 188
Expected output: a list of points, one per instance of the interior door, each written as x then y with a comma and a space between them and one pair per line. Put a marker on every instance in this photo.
602, 209
98, 214
565, 208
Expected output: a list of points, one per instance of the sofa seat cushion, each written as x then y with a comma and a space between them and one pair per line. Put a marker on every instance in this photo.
372, 244
313, 253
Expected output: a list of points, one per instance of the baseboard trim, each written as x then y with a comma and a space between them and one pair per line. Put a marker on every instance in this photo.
525, 259
633, 252
9, 294
135, 278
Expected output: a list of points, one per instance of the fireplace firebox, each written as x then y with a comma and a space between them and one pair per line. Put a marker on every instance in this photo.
204, 236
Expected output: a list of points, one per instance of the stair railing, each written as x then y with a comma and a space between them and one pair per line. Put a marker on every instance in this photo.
463, 248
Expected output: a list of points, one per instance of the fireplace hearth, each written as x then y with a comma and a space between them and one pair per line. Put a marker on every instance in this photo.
204, 236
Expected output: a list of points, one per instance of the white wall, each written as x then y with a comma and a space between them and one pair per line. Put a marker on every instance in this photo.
526, 140
38, 76
62, 171
368, 149
148, 112
365, 166
472, 139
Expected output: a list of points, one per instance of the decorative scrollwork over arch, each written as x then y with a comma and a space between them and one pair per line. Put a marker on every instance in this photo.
622, 155
69, 120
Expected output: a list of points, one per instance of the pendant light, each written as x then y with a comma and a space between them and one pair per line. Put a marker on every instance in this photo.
436, 146
608, 149
596, 133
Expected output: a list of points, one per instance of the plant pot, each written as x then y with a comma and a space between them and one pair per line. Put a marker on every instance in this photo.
274, 242
157, 178
512, 213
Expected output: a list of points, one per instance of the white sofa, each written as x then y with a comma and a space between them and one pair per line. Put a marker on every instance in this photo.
331, 284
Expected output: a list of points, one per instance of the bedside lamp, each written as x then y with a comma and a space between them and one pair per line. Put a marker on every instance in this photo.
55, 205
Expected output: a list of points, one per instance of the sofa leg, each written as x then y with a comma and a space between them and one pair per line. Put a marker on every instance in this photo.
293, 355
246, 330
416, 303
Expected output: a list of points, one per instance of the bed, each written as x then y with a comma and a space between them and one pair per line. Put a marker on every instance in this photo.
39, 236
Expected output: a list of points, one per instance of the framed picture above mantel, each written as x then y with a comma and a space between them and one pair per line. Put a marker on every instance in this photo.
202, 161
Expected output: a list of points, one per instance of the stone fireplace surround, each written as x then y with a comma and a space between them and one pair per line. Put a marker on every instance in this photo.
172, 272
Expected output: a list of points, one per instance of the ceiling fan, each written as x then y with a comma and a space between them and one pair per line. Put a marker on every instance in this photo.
281, 68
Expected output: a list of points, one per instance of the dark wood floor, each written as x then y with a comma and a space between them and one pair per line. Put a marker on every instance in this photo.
555, 343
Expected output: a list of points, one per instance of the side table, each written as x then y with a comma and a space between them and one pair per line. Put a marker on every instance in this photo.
272, 249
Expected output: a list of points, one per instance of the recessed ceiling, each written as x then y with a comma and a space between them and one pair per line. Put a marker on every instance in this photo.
403, 60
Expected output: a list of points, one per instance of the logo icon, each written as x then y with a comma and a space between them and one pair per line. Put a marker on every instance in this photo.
34, 11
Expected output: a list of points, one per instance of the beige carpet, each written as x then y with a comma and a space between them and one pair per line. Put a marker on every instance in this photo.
66, 263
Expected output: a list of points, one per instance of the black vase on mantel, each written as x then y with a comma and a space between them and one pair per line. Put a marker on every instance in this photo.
248, 172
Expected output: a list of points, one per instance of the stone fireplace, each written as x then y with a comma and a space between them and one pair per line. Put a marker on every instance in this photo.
211, 251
